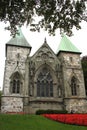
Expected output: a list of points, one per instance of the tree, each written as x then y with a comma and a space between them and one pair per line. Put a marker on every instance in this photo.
84, 66
53, 14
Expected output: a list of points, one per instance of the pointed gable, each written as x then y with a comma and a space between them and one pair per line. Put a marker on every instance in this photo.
19, 40
44, 53
67, 46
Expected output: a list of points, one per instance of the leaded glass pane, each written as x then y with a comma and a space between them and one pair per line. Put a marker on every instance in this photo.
14, 86
51, 88
38, 88
47, 89
18, 86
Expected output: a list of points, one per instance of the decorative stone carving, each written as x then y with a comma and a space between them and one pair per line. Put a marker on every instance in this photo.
45, 54
31, 89
59, 91
58, 68
31, 76
32, 68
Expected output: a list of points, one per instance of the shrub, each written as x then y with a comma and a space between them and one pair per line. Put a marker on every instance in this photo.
49, 111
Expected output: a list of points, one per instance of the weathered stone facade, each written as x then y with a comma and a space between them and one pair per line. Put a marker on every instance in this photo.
43, 81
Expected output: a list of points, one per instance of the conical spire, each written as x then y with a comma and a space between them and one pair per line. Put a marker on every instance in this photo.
67, 46
19, 40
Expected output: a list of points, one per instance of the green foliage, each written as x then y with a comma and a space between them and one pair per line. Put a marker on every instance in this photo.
84, 66
49, 111
33, 122
54, 14
0, 99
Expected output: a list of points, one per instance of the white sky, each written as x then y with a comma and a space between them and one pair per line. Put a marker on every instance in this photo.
37, 39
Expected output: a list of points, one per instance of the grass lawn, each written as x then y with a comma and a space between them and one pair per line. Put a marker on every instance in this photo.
33, 122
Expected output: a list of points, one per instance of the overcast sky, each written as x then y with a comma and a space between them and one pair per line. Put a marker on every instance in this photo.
37, 39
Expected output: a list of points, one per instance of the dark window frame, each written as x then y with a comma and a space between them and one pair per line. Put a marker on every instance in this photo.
16, 83
74, 86
44, 84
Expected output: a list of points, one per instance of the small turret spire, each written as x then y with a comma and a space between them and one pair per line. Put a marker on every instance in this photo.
45, 40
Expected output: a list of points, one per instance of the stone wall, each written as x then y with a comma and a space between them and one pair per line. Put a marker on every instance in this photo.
12, 104
34, 106
77, 105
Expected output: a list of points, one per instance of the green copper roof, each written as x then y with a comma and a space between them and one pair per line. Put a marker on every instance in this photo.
19, 40
67, 46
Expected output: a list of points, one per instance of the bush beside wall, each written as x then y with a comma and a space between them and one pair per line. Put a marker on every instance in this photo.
49, 111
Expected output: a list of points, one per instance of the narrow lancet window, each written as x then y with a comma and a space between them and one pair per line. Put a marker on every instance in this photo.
74, 86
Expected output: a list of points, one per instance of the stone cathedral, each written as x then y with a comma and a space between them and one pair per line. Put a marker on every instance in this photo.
43, 81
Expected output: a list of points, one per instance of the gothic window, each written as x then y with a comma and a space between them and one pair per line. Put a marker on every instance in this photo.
44, 84
16, 83
73, 86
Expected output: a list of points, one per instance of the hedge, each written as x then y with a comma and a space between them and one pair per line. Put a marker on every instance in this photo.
49, 111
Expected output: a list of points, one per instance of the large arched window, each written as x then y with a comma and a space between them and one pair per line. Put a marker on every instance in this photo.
44, 84
16, 83
74, 86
